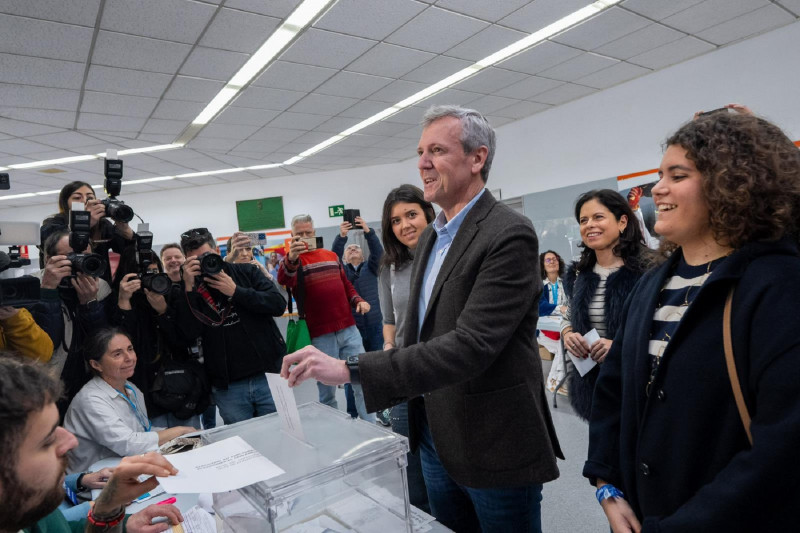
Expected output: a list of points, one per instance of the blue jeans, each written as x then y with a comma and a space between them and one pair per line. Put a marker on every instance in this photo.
209, 417
339, 345
168, 420
417, 493
372, 337
465, 509
244, 399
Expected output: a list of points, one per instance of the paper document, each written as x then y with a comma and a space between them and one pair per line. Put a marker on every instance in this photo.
226, 465
286, 405
584, 365
195, 520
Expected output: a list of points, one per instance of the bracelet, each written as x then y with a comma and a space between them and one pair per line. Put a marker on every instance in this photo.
608, 491
106, 523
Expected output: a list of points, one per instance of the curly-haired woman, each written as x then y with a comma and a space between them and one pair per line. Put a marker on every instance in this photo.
669, 448
613, 259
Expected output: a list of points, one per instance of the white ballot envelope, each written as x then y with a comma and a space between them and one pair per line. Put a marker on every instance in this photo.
286, 405
229, 464
584, 365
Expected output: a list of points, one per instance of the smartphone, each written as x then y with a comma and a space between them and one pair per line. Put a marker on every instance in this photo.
313, 243
257, 239
350, 216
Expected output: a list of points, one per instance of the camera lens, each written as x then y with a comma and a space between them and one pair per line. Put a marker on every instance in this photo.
158, 283
210, 264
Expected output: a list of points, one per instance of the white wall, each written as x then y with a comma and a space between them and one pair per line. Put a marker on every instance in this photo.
616, 131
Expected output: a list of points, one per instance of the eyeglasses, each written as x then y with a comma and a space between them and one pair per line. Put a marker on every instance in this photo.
551, 260
194, 233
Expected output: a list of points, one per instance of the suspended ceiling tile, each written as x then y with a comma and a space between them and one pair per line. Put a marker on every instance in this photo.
326, 49
44, 117
172, 20
228, 131
485, 42
115, 104
246, 115
424, 32
43, 72
271, 133
370, 19
792, 5
710, 13
265, 98
528, 88
271, 172
300, 121
539, 58
239, 31
397, 143
273, 8
161, 126
157, 138
672, 53
38, 97
613, 75
353, 84
293, 76
488, 105
139, 53
193, 89
390, 61
22, 147
313, 137
413, 133
410, 115
39, 38
338, 124
364, 109
605, 27
578, 67
536, 15
213, 143
203, 180
65, 139
178, 110
125, 81
658, 10
640, 41
437, 69
213, 64
490, 79
564, 93
752, 23
19, 128
93, 121
81, 12
516, 111
481, 9
395, 92
239, 161
386, 129
450, 96
322, 104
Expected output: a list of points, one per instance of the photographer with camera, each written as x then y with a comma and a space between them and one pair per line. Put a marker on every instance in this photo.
143, 310
325, 296
72, 306
240, 250
105, 234
231, 307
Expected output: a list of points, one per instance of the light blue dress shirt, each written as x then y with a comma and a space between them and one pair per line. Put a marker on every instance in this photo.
445, 235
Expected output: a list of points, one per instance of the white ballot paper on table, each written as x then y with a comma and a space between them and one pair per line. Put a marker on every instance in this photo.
584, 365
195, 520
286, 405
229, 464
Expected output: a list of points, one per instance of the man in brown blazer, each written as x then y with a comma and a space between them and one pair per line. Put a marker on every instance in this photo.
470, 368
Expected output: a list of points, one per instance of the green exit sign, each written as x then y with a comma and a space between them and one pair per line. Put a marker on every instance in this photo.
336, 211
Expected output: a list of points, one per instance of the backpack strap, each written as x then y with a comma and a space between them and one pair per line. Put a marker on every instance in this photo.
731, 364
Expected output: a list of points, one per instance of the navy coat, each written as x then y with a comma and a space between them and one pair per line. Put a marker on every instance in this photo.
365, 279
681, 455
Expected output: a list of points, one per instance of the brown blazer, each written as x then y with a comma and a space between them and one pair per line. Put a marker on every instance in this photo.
477, 362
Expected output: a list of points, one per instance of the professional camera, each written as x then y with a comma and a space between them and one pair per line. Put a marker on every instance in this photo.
210, 264
90, 264
157, 282
22, 291
115, 209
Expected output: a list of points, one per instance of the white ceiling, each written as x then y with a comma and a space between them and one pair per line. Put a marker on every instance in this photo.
81, 76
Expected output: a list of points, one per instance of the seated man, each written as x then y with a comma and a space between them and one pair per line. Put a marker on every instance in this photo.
21, 334
232, 311
325, 295
70, 310
33, 449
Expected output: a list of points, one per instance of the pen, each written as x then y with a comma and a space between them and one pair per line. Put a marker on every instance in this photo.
167, 501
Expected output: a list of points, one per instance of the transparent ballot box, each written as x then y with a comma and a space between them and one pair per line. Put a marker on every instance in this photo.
347, 476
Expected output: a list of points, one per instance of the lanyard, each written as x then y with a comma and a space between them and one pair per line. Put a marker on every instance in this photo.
554, 291
143, 420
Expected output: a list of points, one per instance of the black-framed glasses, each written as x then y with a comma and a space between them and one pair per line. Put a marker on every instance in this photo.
194, 233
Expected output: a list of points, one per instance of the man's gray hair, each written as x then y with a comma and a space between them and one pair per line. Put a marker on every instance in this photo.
301, 219
475, 130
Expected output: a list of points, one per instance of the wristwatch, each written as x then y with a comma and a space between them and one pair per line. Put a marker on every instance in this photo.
352, 366
79, 483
